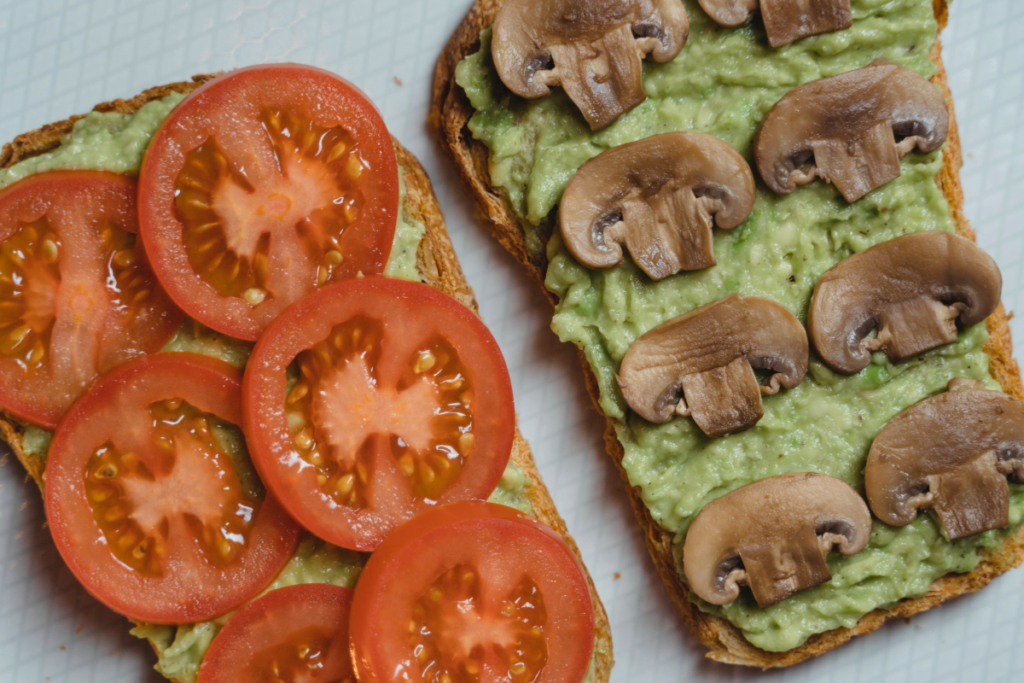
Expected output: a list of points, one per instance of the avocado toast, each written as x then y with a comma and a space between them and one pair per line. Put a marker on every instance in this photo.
425, 254
506, 216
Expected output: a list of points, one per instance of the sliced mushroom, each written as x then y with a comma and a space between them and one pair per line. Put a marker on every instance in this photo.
658, 197
850, 130
784, 20
911, 289
593, 50
773, 536
951, 453
702, 364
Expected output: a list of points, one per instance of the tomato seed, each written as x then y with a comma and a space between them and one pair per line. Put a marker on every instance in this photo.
19, 334
425, 361
49, 251
337, 151
466, 442
406, 464
298, 393
254, 296
107, 471
334, 257
304, 440
353, 167
346, 484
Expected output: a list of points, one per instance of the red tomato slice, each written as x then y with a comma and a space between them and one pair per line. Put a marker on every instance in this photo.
76, 295
399, 399
472, 592
150, 496
262, 185
299, 633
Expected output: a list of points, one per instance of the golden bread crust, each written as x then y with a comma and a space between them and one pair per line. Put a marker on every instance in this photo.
450, 112
435, 261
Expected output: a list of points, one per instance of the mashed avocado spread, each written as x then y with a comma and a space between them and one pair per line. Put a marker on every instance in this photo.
724, 82
117, 142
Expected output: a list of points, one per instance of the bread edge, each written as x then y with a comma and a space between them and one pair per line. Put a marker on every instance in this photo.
449, 114
437, 264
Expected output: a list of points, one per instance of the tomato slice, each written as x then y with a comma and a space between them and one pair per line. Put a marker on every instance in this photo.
373, 400
472, 592
76, 295
262, 185
150, 496
299, 633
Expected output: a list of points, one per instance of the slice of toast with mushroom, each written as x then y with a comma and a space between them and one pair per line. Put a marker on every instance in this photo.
450, 114
436, 263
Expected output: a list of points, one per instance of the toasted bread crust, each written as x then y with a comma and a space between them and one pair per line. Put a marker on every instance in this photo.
435, 261
450, 112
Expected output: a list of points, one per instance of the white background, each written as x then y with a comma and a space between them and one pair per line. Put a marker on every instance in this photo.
60, 57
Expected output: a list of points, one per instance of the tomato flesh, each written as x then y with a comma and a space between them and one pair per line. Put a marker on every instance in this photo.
263, 185
425, 419
472, 592
398, 400
76, 295
298, 633
135, 503
150, 496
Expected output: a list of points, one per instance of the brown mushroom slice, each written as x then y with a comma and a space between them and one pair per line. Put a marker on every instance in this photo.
910, 289
785, 21
659, 198
951, 453
850, 130
593, 50
773, 535
702, 364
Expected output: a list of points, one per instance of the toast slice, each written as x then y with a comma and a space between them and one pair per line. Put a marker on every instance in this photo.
450, 112
436, 263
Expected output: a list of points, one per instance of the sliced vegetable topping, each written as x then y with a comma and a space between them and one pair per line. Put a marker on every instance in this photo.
299, 633
151, 498
263, 185
76, 295
472, 592
373, 400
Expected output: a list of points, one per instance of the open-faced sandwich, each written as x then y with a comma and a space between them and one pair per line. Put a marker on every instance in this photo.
747, 215
240, 359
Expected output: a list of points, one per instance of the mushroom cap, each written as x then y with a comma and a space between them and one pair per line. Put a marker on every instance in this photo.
844, 129
951, 452
784, 20
659, 197
911, 289
773, 535
595, 47
760, 332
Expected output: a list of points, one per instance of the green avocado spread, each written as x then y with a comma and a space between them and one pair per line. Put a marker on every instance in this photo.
724, 82
117, 142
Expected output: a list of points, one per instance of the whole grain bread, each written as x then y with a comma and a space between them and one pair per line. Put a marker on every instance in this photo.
450, 112
436, 263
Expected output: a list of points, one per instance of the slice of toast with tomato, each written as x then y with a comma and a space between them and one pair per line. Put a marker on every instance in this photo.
436, 263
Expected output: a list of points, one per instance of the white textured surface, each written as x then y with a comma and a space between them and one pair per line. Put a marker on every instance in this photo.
60, 57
